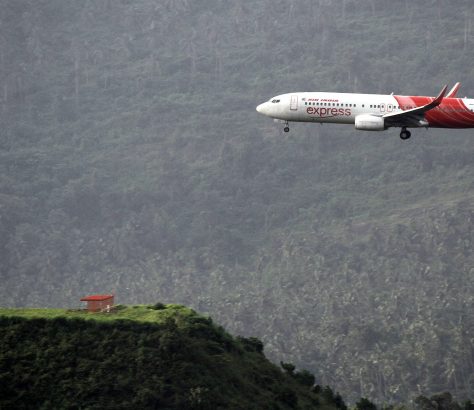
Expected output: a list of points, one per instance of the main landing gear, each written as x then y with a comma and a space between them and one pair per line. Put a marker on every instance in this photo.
287, 127
405, 134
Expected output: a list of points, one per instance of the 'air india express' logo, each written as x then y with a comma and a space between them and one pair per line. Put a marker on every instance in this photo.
323, 112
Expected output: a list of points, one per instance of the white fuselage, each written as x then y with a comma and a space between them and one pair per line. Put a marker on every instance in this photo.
340, 108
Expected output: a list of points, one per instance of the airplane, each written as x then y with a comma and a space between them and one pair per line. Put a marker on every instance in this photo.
373, 112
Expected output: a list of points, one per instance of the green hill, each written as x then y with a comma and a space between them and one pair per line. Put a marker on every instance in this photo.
141, 357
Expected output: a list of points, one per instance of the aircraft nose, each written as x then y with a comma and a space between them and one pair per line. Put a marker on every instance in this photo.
262, 108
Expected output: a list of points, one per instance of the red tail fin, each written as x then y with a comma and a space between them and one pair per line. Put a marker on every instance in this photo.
452, 93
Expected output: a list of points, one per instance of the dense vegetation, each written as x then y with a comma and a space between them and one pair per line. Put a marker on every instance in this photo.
132, 160
180, 361
157, 356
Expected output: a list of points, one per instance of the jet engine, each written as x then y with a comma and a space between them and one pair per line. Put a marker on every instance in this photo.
367, 122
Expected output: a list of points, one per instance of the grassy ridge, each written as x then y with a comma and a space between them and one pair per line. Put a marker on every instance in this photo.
140, 313
142, 357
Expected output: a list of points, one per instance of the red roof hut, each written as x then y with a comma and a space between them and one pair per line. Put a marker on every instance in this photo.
99, 303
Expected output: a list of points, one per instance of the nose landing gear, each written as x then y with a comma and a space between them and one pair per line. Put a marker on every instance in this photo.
405, 134
287, 127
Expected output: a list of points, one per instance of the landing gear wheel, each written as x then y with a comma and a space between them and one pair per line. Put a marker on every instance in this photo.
286, 129
405, 134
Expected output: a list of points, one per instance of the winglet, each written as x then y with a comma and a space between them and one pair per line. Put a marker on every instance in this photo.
452, 93
436, 101
442, 94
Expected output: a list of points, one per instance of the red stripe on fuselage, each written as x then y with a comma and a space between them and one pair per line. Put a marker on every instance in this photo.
451, 113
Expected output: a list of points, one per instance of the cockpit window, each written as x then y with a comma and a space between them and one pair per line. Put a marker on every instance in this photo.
275, 101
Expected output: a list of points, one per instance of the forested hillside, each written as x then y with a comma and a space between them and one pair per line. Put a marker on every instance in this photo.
132, 161
143, 357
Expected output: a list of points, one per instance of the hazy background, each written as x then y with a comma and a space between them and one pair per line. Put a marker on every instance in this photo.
132, 161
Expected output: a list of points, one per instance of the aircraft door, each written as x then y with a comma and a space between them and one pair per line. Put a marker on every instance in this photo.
294, 103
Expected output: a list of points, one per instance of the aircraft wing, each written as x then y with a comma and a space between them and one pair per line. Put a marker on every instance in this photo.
413, 117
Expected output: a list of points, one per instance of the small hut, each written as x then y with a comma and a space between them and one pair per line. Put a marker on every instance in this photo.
99, 303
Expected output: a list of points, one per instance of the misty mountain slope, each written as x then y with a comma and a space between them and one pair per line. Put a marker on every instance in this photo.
132, 160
